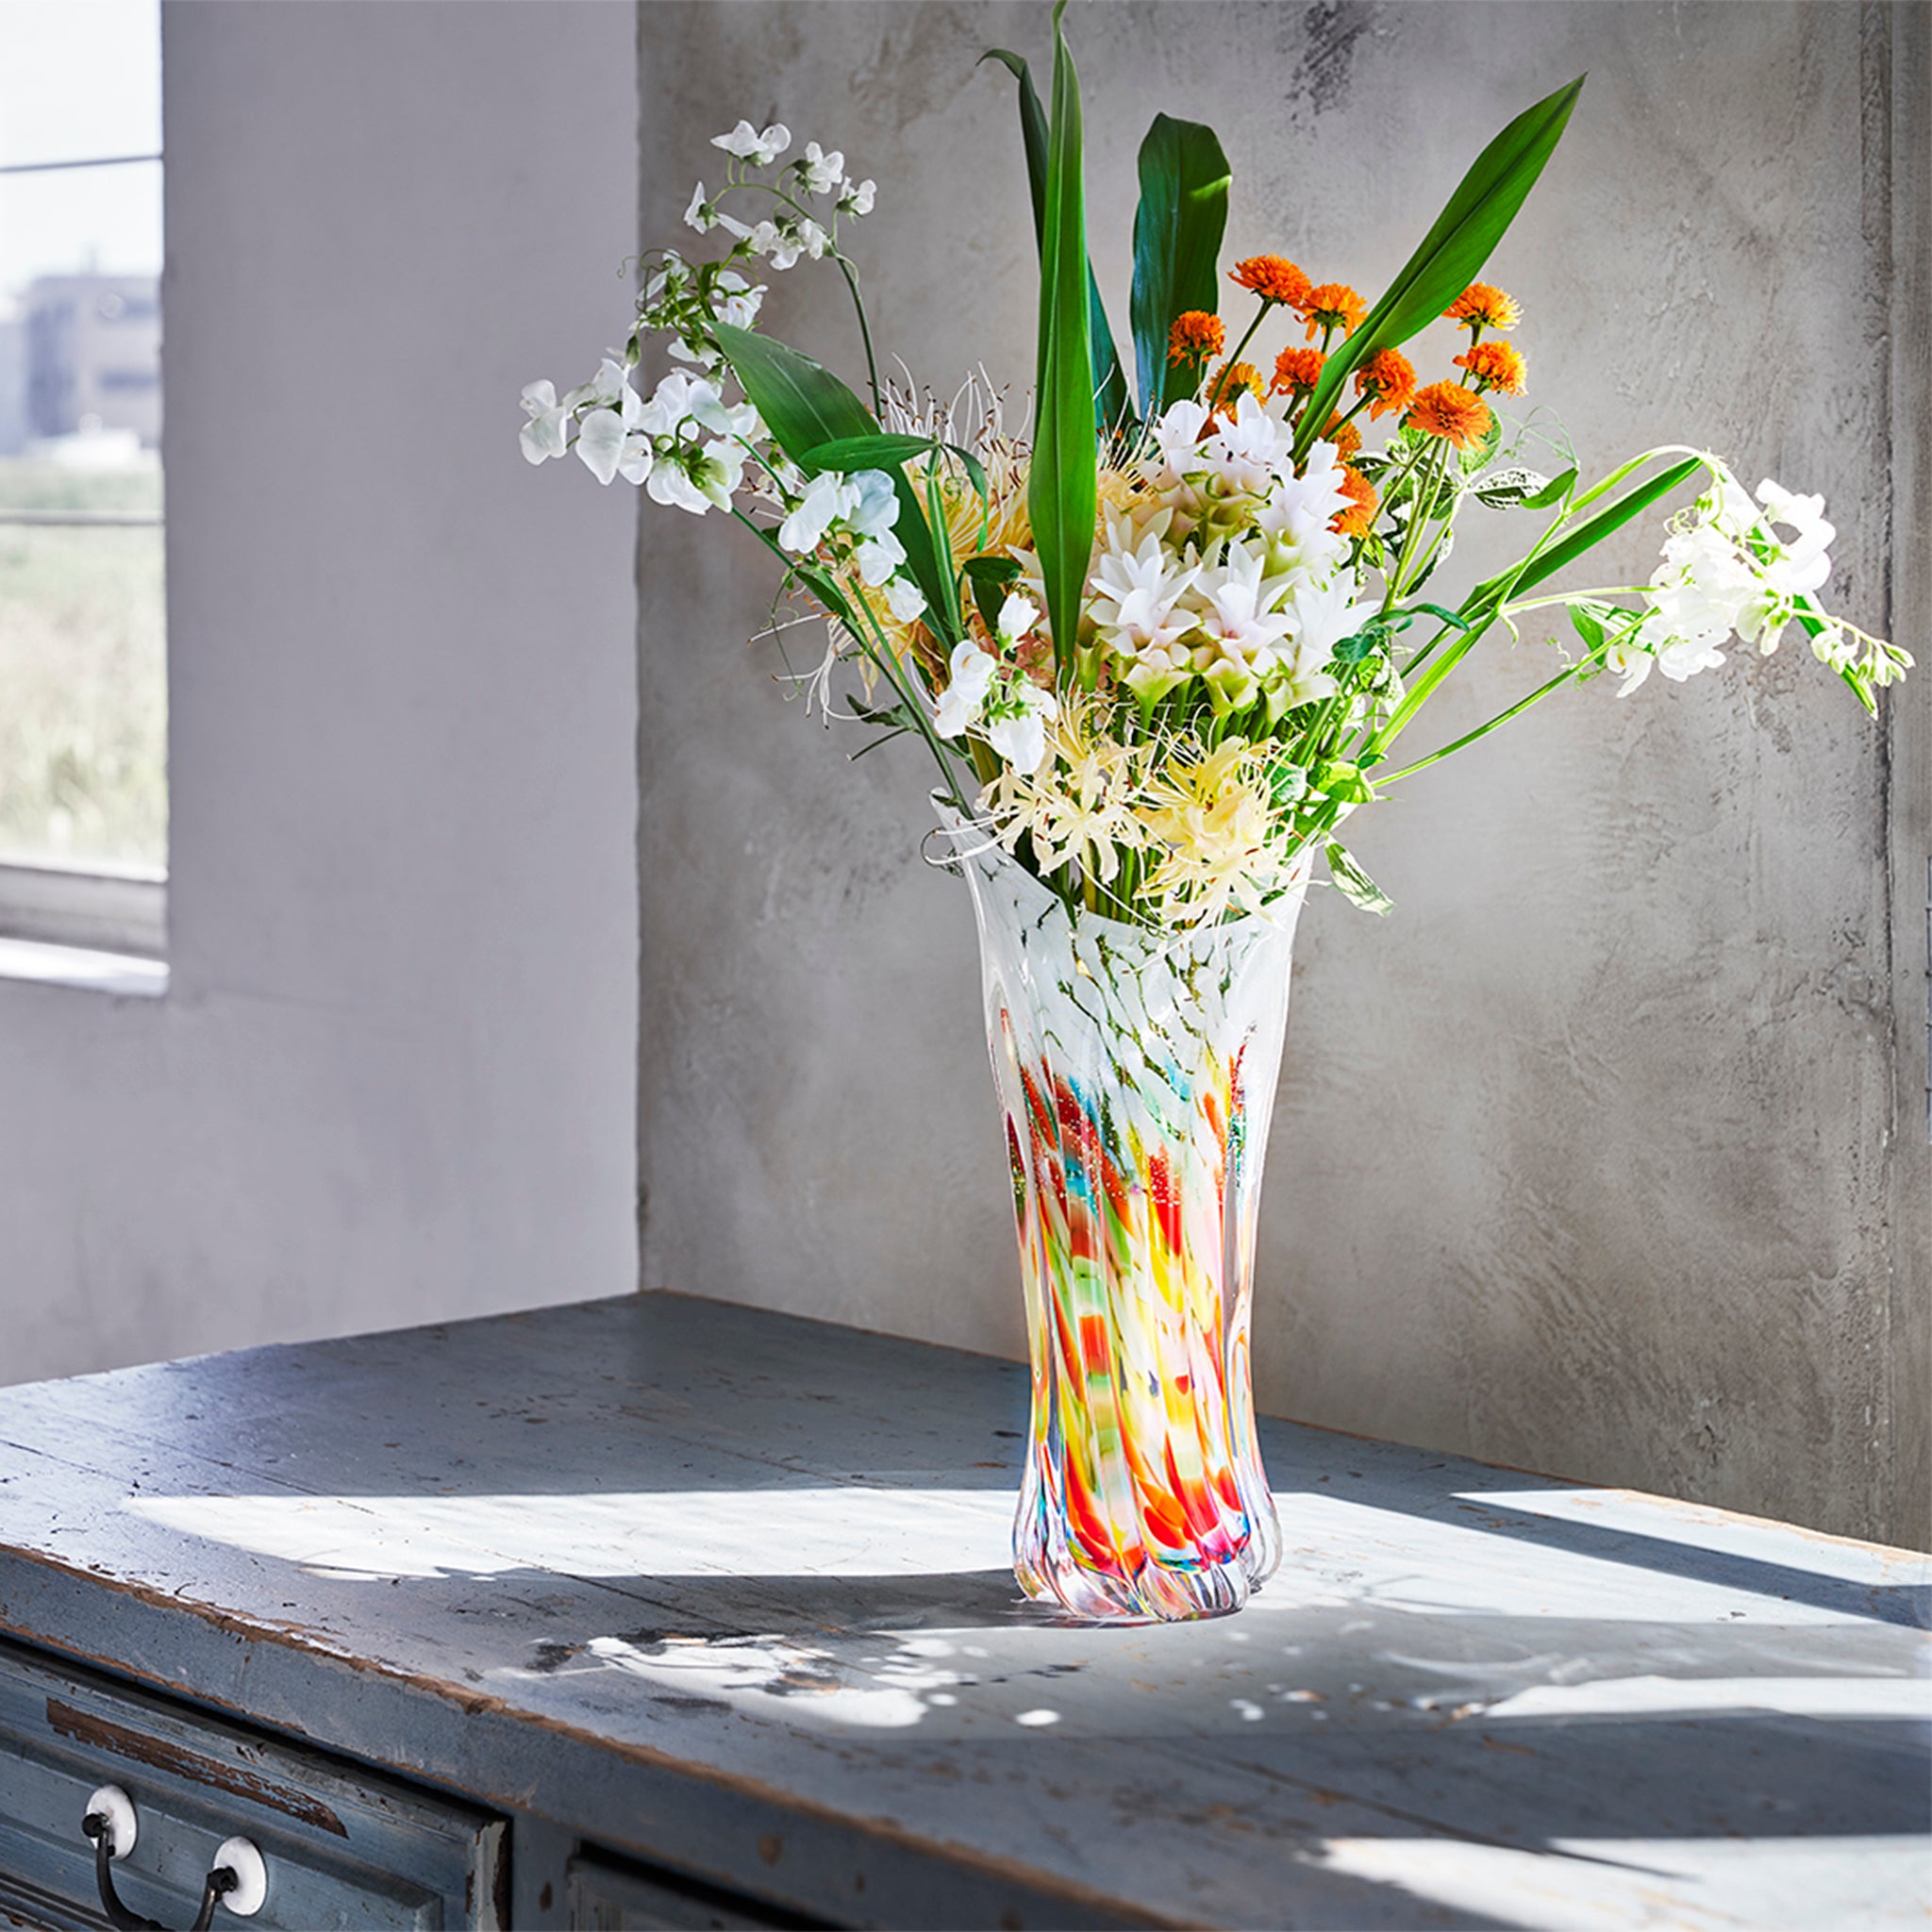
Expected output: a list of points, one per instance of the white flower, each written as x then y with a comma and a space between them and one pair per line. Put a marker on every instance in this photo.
1177, 436
824, 501
1252, 450
1630, 659
700, 214
1019, 735
820, 171
855, 197
1683, 657
1324, 615
760, 150
675, 402
1235, 609
542, 436
959, 703
906, 602
1018, 615
877, 557
609, 441
1137, 592
740, 308
875, 505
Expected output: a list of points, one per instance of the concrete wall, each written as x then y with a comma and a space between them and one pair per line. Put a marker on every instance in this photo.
394, 1076
1605, 1155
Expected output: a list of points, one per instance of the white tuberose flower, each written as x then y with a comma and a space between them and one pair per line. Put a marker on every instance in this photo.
748, 144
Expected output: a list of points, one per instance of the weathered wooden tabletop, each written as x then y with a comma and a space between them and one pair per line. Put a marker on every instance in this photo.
731, 1588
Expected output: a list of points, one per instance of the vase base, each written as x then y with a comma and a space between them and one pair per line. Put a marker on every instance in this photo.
1152, 1594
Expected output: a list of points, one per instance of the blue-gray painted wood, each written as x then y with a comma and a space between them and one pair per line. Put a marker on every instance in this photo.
725, 1590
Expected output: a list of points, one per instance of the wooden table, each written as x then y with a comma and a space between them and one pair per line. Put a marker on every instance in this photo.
726, 1592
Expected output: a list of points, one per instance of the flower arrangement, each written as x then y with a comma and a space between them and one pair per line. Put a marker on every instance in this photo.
1162, 647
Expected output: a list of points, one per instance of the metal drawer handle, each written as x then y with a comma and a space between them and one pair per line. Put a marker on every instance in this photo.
237, 1875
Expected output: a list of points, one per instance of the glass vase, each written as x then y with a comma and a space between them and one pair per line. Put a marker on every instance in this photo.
1137, 1072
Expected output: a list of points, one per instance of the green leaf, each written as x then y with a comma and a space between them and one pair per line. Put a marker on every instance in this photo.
884, 451
1352, 650
1587, 535
1341, 779
1353, 884
1453, 252
1110, 406
806, 408
1061, 495
802, 402
1177, 231
1471, 461
1587, 626
1553, 492
991, 577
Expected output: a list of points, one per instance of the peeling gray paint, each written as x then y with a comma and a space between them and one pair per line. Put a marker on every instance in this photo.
1586, 1160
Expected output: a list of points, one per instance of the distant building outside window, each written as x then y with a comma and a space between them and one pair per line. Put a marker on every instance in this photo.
83, 687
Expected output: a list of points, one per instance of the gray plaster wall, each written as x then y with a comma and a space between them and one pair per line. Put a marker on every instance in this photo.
1606, 1155
393, 1075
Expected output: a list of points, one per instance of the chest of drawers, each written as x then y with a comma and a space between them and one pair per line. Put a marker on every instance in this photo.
661, 1612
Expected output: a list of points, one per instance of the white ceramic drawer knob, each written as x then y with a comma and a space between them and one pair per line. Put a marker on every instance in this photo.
236, 1854
111, 1804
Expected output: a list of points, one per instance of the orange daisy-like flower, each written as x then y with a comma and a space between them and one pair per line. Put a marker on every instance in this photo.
1334, 305
1298, 369
1481, 306
1495, 365
1232, 381
1346, 437
1360, 517
1273, 277
1195, 335
1389, 376
1457, 415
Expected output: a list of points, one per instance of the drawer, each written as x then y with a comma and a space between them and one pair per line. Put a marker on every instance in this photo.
343, 1846
612, 1894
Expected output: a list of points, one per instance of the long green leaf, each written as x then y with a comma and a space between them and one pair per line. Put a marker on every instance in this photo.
805, 407
888, 452
1588, 535
1110, 406
1061, 495
1177, 231
1453, 251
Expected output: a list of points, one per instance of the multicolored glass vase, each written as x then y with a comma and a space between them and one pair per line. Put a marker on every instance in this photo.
1137, 1072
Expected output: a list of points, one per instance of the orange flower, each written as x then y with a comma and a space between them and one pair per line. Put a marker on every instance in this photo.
1333, 306
1495, 365
1195, 335
1298, 369
1447, 410
1346, 437
1233, 380
1481, 306
1360, 517
1273, 277
1390, 378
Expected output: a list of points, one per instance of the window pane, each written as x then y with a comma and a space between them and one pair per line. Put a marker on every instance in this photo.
79, 80
83, 685
83, 732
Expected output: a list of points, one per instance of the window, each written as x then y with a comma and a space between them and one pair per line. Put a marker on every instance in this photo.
83, 685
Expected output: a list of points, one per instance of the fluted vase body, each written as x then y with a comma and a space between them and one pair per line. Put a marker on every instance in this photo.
1137, 1072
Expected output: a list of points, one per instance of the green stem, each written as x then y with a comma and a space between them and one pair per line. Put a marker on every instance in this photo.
1483, 730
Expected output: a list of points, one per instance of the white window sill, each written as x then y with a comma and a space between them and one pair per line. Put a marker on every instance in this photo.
50, 965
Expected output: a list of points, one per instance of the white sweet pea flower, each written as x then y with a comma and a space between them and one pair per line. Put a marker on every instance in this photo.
1019, 735
961, 703
1630, 659
856, 197
700, 214
819, 172
610, 441
1683, 657
542, 436
675, 402
906, 602
825, 499
1018, 615
875, 505
740, 308
748, 144
877, 557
